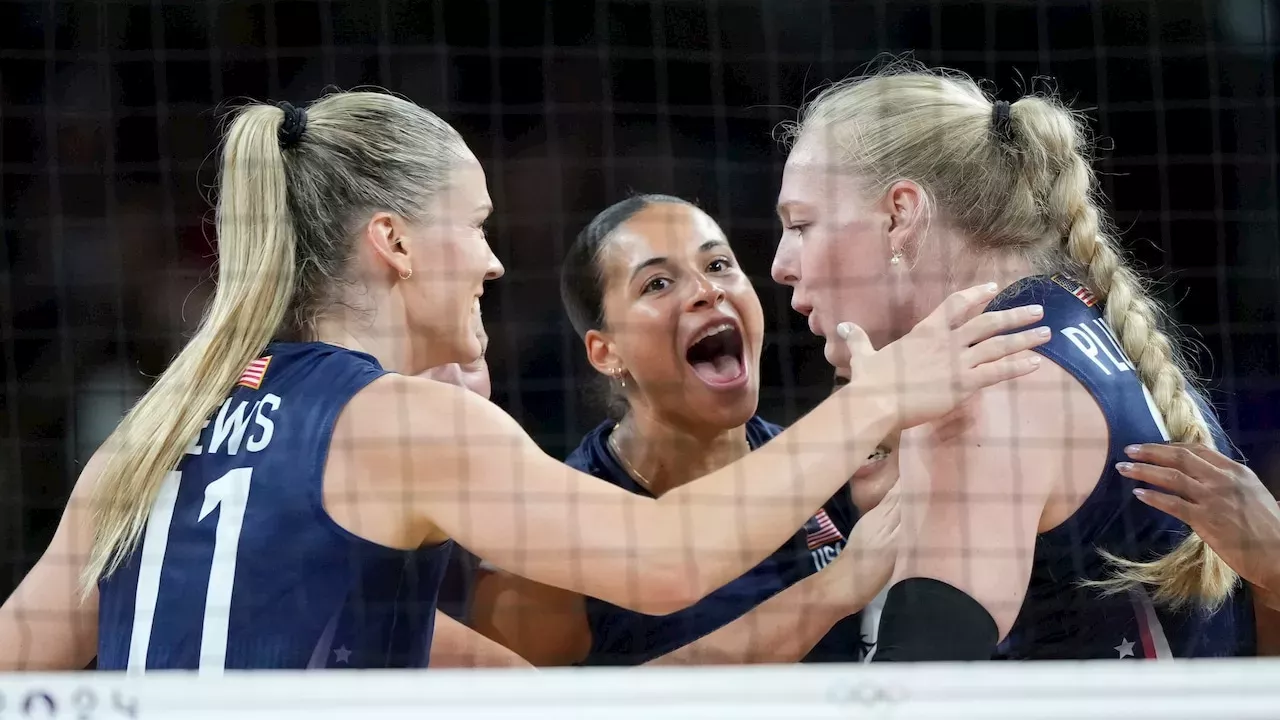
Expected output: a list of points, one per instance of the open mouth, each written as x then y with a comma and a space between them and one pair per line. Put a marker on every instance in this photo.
873, 463
716, 355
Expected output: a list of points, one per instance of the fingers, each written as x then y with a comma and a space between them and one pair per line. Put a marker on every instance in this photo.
1001, 346
1211, 456
993, 373
1174, 456
1169, 504
993, 323
1174, 481
855, 338
961, 306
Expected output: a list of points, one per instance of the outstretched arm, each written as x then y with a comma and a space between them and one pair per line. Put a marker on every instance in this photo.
545, 624
469, 470
45, 625
455, 645
784, 628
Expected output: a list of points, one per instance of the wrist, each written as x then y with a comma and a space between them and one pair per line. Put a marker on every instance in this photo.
841, 586
873, 402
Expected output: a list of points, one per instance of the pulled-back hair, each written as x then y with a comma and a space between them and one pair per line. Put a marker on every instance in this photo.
1024, 184
582, 278
290, 200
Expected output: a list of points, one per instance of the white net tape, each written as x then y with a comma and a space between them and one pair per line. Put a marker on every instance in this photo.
1194, 690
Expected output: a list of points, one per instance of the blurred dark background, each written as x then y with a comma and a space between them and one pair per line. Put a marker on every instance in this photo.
111, 108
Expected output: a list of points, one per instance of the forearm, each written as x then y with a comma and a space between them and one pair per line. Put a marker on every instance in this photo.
720, 526
455, 645
782, 629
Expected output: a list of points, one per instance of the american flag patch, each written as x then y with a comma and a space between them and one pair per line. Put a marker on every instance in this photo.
1074, 287
821, 531
253, 374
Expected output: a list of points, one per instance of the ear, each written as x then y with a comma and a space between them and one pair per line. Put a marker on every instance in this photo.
386, 235
601, 354
907, 207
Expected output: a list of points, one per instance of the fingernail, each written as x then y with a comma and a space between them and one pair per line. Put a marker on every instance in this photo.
1140, 492
1035, 310
1034, 360
1124, 466
991, 288
1042, 332
1132, 450
843, 330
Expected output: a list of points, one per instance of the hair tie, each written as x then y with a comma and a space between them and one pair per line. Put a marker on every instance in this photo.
1002, 120
292, 127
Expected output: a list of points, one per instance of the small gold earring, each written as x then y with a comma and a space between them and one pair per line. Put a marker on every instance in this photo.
407, 274
620, 375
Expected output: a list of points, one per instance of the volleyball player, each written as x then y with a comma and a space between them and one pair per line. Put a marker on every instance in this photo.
285, 493
655, 291
1020, 539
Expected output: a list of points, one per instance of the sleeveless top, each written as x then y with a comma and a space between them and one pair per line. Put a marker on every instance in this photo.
624, 637
1060, 619
240, 567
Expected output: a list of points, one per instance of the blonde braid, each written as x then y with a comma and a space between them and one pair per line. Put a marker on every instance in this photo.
1192, 572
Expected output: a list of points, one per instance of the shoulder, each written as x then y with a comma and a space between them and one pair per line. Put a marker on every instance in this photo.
397, 414
1056, 292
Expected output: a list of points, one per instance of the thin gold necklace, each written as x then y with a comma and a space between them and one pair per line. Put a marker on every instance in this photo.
617, 453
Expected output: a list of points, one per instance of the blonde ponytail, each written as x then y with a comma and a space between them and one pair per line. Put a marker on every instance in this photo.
256, 246
1192, 572
1025, 189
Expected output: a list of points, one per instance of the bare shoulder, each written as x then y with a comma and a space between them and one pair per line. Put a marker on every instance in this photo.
413, 409
1055, 437
410, 439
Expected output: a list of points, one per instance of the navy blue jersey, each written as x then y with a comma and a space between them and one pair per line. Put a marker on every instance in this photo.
1060, 619
623, 637
241, 567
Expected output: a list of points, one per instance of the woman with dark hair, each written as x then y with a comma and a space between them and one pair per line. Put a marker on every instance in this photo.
653, 288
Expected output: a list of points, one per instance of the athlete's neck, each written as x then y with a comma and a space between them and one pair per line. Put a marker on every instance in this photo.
928, 288
668, 456
390, 352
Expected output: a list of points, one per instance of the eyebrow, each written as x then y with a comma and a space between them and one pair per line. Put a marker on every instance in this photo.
784, 209
662, 259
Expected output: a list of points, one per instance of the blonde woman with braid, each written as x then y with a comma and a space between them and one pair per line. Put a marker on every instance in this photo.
1019, 538
287, 493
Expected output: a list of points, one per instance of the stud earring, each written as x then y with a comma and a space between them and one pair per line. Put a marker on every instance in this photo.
406, 274
896, 258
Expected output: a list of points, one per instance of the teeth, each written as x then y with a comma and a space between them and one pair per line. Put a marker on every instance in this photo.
881, 453
712, 331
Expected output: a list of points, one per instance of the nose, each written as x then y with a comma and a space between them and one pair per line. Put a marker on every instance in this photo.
707, 293
786, 267
495, 269
786, 271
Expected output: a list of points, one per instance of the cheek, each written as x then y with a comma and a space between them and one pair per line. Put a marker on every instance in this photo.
749, 310
850, 283
647, 342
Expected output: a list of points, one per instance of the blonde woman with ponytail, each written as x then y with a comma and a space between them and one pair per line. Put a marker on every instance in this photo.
1020, 538
287, 493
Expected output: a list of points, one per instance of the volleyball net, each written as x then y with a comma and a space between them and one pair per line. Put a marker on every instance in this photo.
109, 118
1185, 690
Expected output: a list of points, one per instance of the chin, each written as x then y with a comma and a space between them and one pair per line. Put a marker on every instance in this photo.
724, 409
836, 353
